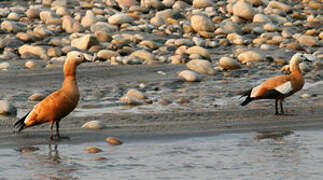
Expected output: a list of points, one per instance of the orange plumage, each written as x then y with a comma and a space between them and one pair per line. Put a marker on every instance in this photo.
58, 104
279, 87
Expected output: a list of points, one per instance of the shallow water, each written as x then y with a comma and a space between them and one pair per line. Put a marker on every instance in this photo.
226, 156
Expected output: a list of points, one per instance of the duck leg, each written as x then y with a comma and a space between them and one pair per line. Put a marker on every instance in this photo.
51, 130
276, 106
58, 136
281, 107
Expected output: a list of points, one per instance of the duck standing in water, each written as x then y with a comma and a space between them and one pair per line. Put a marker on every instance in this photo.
279, 87
58, 104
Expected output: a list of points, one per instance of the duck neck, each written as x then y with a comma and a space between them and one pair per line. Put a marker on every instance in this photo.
294, 68
69, 73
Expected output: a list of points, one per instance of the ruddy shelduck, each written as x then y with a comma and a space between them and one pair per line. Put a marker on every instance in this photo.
58, 104
279, 87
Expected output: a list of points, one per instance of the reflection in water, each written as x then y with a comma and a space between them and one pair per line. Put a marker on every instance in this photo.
227, 156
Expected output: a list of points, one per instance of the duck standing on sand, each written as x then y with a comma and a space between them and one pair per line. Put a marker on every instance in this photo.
58, 104
279, 87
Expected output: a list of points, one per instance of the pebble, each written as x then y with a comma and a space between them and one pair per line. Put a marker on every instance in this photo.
201, 66
4, 65
94, 125
113, 141
244, 10
93, 150
202, 22
190, 76
37, 97
229, 63
6, 108
250, 56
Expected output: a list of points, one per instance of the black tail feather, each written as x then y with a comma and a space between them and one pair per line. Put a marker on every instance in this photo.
248, 99
20, 124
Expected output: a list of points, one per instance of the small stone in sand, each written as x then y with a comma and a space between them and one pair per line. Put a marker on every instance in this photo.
113, 141
93, 150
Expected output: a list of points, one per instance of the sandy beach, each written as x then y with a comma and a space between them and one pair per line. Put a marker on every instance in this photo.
152, 121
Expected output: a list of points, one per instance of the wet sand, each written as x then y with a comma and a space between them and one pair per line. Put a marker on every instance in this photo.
147, 122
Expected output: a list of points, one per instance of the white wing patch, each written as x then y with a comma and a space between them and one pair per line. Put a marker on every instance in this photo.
285, 88
254, 91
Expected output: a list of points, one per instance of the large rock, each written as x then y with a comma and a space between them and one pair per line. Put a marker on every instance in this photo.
250, 56
199, 50
244, 10
200, 66
120, 18
88, 19
34, 50
6, 108
13, 27
202, 23
143, 54
229, 63
85, 42
70, 25
279, 5
190, 76
202, 3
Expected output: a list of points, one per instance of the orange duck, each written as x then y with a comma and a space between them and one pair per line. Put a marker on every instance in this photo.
58, 104
279, 87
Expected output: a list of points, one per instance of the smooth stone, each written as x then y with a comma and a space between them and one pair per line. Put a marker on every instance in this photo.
307, 40
199, 50
143, 54
157, 4
244, 10
190, 76
89, 19
93, 150
34, 50
200, 66
14, 27
113, 141
132, 101
261, 18
70, 25
33, 12
120, 18
103, 26
107, 54
202, 3
250, 56
229, 63
236, 39
279, 5
202, 23
4, 65
85, 42
136, 94
164, 101
6, 108
37, 97
94, 125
